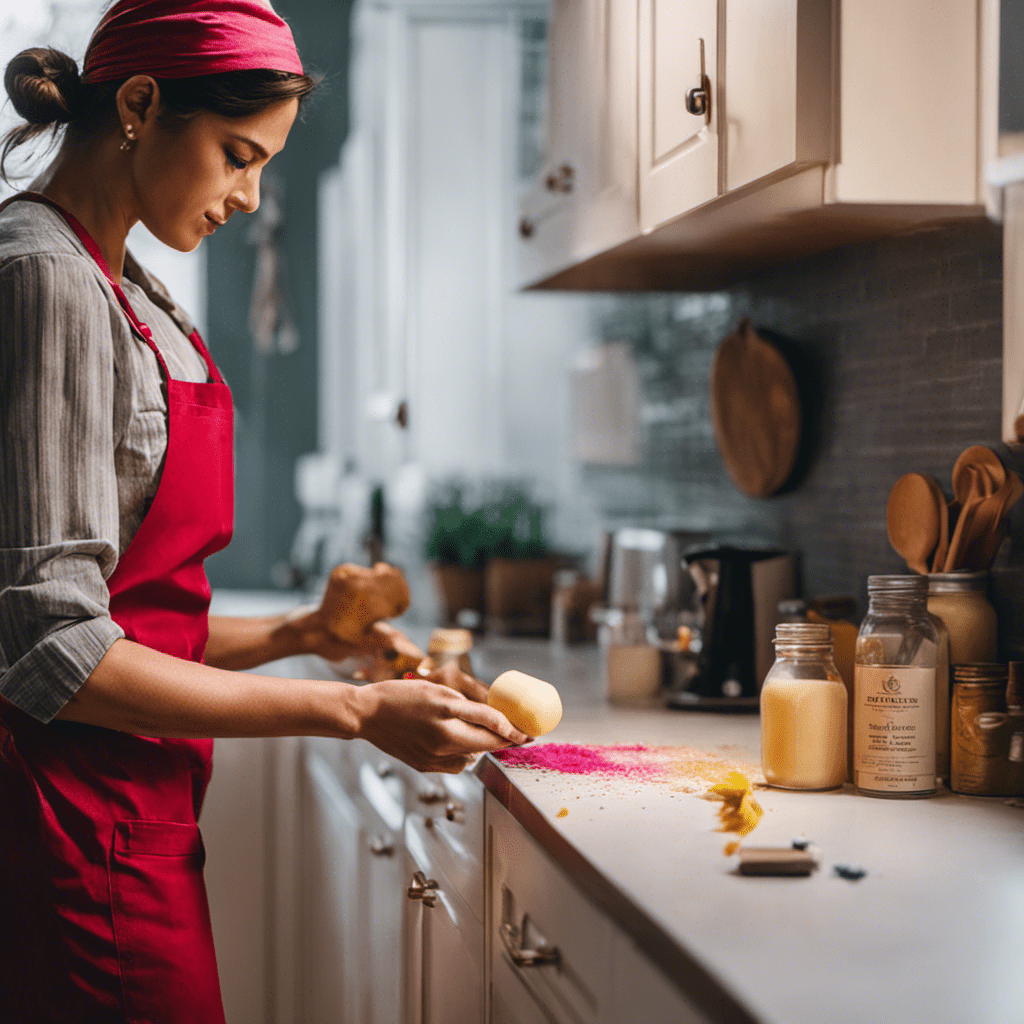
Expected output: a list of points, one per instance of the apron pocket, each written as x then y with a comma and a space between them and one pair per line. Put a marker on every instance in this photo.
162, 924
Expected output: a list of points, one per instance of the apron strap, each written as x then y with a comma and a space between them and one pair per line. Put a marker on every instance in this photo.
93, 249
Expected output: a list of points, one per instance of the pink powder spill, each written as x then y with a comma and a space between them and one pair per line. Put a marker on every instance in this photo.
578, 759
683, 768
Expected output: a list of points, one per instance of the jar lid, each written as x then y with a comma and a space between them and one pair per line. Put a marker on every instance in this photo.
960, 581
813, 634
912, 586
450, 641
981, 672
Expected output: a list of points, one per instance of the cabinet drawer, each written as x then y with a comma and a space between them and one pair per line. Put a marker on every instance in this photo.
533, 905
449, 815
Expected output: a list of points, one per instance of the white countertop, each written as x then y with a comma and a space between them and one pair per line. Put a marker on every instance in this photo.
934, 934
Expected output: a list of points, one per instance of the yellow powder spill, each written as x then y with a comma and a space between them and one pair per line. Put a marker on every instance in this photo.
739, 812
563, 813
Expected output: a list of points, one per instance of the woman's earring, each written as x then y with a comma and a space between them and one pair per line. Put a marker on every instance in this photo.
129, 132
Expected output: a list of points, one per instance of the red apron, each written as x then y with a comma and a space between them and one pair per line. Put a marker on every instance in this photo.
103, 911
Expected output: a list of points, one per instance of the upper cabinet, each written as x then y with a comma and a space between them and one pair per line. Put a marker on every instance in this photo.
583, 198
709, 138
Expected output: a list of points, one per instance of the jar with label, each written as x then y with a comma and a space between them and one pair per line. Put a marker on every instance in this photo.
803, 711
894, 691
981, 734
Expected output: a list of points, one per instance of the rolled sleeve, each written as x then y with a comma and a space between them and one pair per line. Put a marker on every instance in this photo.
58, 485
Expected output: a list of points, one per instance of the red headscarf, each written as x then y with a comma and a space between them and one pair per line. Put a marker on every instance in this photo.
182, 39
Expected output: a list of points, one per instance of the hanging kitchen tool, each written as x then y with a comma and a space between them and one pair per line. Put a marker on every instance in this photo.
755, 411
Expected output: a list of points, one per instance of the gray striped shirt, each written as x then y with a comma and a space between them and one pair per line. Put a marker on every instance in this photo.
83, 434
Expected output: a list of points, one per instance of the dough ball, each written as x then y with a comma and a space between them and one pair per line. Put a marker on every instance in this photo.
529, 704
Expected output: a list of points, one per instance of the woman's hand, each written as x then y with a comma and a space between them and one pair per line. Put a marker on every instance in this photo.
454, 678
431, 728
381, 644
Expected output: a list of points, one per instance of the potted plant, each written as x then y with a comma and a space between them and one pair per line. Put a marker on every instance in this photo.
520, 567
455, 547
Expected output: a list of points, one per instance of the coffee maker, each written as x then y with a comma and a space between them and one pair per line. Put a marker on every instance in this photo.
739, 588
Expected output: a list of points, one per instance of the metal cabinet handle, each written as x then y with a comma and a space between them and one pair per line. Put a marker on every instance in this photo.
455, 812
381, 847
423, 889
432, 795
542, 956
698, 100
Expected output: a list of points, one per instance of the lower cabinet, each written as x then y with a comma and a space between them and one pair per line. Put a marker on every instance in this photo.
331, 915
423, 901
444, 938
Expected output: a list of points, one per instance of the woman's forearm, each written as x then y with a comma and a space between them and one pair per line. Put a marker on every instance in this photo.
135, 689
242, 643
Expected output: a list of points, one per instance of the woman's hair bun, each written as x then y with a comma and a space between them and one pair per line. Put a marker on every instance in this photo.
43, 85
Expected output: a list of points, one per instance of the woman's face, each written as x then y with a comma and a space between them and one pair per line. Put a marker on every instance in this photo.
190, 179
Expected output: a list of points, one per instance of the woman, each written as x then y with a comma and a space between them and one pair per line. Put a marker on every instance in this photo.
116, 476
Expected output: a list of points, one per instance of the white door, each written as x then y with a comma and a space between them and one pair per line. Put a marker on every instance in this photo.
331, 914
679, 113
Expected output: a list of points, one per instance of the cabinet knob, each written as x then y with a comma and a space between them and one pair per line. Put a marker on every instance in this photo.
561, 179
432, 795
423, 889
455, 812
522, 956
381, 847
697, 100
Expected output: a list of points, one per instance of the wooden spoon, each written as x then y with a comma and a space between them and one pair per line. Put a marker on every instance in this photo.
985, 546
985, 461
942, 510
969, 491
912, 520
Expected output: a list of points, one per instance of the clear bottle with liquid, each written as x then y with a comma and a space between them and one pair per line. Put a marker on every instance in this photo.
803, 711
894, 691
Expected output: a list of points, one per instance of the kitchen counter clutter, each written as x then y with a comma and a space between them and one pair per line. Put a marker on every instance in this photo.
931, 933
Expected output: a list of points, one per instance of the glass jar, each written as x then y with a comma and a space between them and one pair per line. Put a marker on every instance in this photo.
803, 711
894, 691
630, 655
960, 600
982, 730
966, 624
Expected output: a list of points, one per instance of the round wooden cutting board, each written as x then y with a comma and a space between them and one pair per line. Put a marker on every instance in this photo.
755, 410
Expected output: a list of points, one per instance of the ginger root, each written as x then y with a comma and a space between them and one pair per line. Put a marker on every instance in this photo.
357, 598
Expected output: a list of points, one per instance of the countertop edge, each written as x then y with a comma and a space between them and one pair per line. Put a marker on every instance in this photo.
693, 979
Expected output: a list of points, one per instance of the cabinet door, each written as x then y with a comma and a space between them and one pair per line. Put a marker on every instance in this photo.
448, 940
584, 199
679, 150
777, 87
331, 913
543, 936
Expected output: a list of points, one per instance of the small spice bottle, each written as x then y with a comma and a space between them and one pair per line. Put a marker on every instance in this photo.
803, 711
448, 645
894, 691
980, 752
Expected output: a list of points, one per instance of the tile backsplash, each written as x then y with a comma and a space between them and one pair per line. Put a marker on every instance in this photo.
897, 346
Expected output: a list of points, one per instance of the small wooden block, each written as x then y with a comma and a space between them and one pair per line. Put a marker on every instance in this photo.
776, 860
